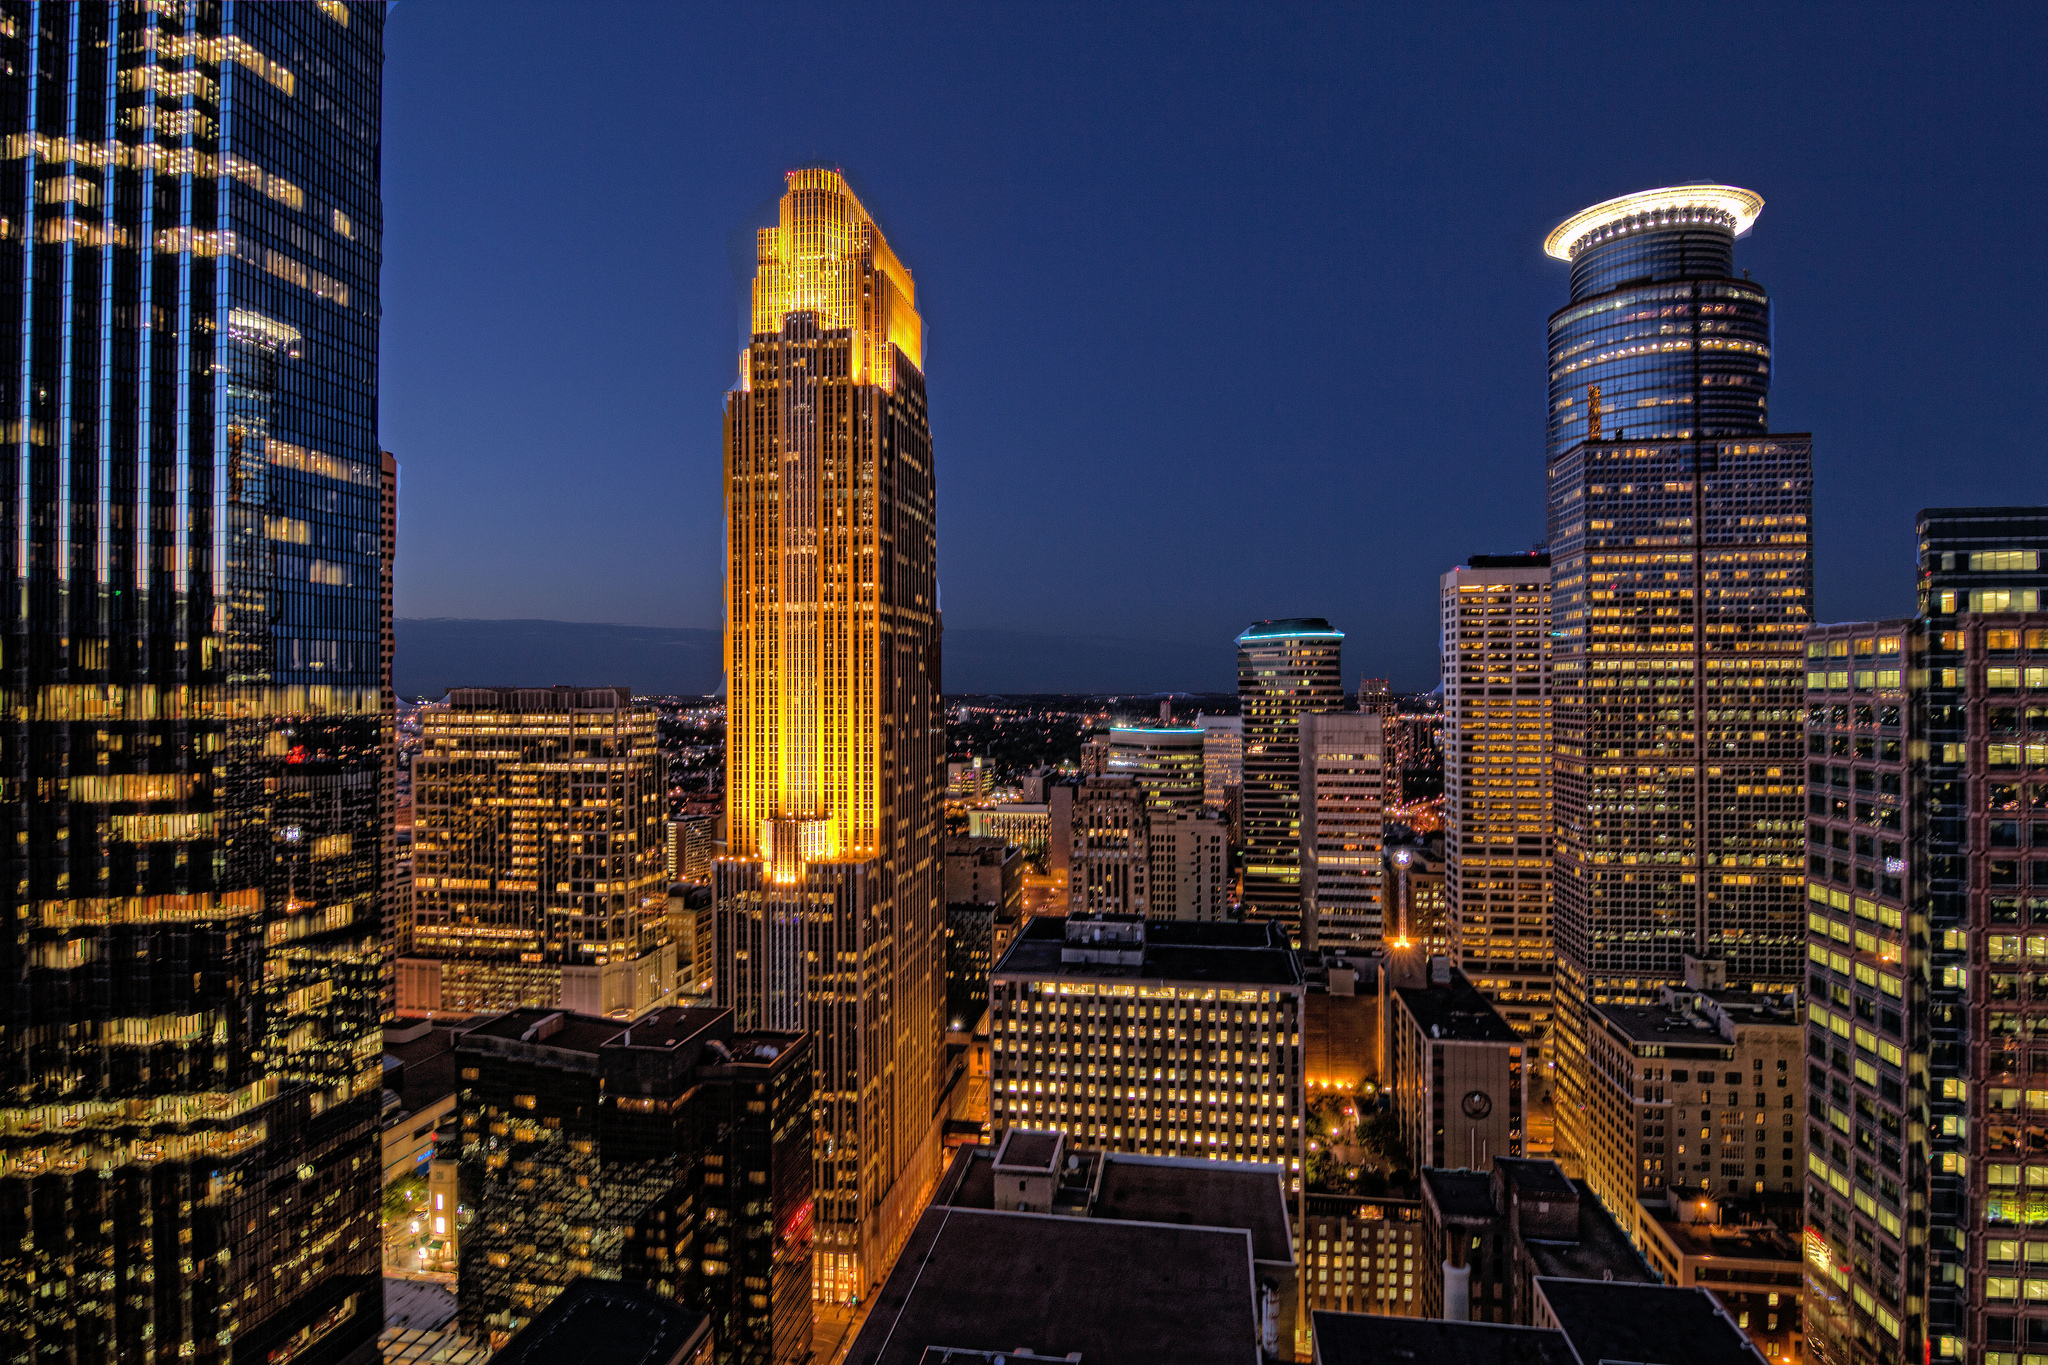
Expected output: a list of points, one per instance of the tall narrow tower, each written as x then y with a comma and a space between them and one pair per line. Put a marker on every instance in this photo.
1286, 669
828, 907
1681, 585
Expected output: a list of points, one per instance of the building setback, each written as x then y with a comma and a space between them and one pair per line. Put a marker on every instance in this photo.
1497, 756
1681, 586
539, 855
829, 906
196, 661
1286, 669
1159, 1037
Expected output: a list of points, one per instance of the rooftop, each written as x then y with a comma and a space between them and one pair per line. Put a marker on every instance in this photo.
1466, 1196
1119, 1293
1174, 950
599, 1322
1734, 1241
559, 1029
1368, 1339
1456, 1013
1290, 627
1602, 1251
1742, 205
1028, 1150
1650, 1322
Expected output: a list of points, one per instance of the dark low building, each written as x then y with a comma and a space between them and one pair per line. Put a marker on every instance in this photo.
1490, 1235
1033, 1249
618, 1324
672, 1152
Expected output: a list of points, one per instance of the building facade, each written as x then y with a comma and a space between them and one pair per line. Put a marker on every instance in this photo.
1342, 787
1682, 584
1222, 758
1190, 877
671, 1152
1926, 779
1167, 760
829, 905
1159, 1037
1455, 1071
1699, 1094
1286, 669
1358, 1255
1497, 756
189, 1145
539, 855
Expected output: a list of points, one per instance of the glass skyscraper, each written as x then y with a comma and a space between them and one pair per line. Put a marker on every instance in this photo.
828, 912
1285, 669
194, 668
1660, 340
1681, 585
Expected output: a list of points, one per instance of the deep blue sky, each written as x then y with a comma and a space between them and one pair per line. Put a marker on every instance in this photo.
1232, 312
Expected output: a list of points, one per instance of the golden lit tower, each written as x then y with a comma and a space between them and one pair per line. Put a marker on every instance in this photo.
828, 906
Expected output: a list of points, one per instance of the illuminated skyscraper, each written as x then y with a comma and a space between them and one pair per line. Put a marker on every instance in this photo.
829, 906
1497, 756
1285, 669
189, 1145
1343, 816
1166, 760
1681, 585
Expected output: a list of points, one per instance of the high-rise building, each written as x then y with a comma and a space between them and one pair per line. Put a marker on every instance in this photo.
1681, 584
829, 906
1286, 669
1190, 865
1927, 820
1497, 756
1454, 1069
671, 1152
1130, 857
1160, 1037
539, 855
189, 1142
1343, 811
1222, 758
1166, 760
1376, 696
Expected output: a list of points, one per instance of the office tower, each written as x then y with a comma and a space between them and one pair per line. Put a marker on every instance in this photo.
984, 871
1497, 756
1111, 870
1190, 854
194, 662
1412, 882
539, 872
395, 874
672, 1152
1376, 696
1927, 813
1166, 760
1681, 582
829, 908
1699, 1094
1491, 1230
1660, 341
1455, 1070
1343, 809
1222, 758
1285, 670
1154, 1036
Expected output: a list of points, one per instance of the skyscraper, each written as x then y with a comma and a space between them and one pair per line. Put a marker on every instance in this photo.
539, 862
1497, 756
828, 908
1343, 814
1681, 585
1166, 760
188, 1144
1285, 669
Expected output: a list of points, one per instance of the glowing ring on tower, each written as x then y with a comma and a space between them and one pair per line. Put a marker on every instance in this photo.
1741, 205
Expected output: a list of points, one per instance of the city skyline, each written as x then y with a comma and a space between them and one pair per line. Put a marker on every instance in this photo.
1444, 201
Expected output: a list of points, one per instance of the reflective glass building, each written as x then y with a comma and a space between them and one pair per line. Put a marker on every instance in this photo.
1660, 340
194, 670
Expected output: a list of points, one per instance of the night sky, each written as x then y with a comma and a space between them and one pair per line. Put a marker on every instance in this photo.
1231, 313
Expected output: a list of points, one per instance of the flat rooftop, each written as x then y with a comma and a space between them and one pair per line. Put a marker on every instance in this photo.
1175, 950
1119, 1293
1537, 1177
1602, 1249
1466, 1195
1739, 1242
563, 1030
1456, 1013
1368, 1339
1029, 1149
1656, 1024
598, 1322
1648, 1322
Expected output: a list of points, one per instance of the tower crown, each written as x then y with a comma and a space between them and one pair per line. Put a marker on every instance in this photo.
1677, 205
825, 256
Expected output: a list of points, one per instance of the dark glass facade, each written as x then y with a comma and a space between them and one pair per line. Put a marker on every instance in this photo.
1658, 323
194, 677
